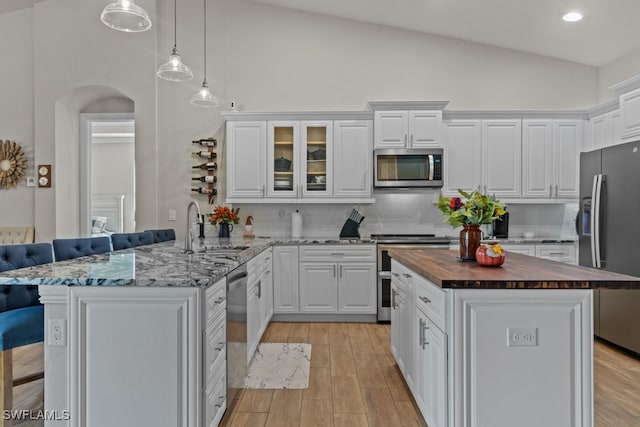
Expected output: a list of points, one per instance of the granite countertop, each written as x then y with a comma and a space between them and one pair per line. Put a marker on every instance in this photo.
443, 268
157, 265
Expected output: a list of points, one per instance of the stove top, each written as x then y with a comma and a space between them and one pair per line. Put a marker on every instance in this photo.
410, 238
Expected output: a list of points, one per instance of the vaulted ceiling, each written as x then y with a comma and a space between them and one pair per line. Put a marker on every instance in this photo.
609, 30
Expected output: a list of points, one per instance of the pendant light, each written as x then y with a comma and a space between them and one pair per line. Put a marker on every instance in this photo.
125, 15
204, 97
175, 70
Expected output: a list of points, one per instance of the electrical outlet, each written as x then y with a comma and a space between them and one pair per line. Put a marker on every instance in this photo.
57, 331
172, 215
522, 337
31, 181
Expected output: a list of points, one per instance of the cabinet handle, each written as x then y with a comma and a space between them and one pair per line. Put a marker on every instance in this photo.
259, 288
411, 143
393, 298
485, 189
337, 253
219, 300
221, 400
334, 270
420, 337
425, 300
395, 274
340, 271
407, 275
550, 190
221, 344
424, 334
263, 188
405, 139
556, 190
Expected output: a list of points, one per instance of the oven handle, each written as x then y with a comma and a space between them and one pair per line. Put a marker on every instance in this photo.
384, 274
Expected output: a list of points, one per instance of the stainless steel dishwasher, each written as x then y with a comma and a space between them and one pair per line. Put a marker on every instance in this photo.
236, 330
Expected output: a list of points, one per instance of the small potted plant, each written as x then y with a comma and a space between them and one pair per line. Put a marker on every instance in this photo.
225, 217
469, 212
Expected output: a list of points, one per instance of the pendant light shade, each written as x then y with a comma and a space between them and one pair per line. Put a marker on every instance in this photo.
175, 70
125, 15
204, 97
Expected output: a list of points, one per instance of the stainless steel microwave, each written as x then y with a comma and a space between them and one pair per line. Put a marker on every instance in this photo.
408, 167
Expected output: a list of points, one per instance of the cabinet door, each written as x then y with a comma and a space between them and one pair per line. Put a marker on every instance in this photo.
391, 129
462, 151
436, 340
353, 158
501, 158
520, 249
398, 296
424, 129
538, 162
285, 279
424, 375
318, 287
246, 157
567, 135
282, 159
630, 111
316, 178
357, 288
253, 320
600, 130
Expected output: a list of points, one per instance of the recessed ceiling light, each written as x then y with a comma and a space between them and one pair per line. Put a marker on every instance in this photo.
572, 16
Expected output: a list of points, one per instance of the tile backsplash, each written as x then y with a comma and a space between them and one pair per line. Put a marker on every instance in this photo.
410, 211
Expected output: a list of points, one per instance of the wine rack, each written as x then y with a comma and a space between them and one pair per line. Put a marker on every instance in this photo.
206, 169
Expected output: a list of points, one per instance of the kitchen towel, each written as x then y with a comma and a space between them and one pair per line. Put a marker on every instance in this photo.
280, 365
296, 225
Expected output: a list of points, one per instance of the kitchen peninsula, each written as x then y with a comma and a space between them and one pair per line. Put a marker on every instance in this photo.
486, 346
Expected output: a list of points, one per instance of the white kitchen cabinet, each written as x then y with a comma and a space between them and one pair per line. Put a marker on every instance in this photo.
431, 370
296, 161
462, 151
259, 300
605, 130
355, 293
338, 279
407, 129
501, 158
246, 159
550, 158
285, 279
520, 249
318, 287
180, 359
398, 329
352, 158
630, 112
561, 253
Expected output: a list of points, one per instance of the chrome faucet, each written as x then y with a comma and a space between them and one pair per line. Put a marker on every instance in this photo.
188, 240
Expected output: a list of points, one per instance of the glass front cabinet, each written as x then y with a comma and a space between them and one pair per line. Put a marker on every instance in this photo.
300, 159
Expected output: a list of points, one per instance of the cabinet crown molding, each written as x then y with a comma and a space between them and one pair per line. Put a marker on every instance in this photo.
406, 105
297, 115
514, 114
604, 108
626, 85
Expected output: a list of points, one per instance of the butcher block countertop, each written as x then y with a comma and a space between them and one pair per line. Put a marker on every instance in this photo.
443, 268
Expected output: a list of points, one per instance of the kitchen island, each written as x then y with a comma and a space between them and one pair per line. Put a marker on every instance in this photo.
486, 346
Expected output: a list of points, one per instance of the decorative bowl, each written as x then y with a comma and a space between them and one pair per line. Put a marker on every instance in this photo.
319, 154
486, 257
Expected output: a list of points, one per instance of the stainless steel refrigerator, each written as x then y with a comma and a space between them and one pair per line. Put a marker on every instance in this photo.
609, 235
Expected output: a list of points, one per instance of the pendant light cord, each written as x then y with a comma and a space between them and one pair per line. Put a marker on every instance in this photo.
175, 24
205, 40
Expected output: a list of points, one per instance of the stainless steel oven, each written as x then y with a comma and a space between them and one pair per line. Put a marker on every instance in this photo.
395, 241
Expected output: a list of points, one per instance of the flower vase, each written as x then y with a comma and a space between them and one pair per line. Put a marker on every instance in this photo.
470, 237
224, 228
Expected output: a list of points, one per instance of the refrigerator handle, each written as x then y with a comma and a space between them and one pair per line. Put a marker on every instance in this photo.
595, 223
592, 222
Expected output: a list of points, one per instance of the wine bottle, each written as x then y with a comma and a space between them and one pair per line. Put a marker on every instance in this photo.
206, 142
205, 190
208, 179
205, 154
208, 166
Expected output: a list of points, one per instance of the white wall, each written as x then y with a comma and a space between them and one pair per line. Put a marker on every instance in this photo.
263, 57
616, 72
16, 110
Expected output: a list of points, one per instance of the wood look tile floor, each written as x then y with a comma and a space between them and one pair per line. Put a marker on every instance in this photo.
354, 382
